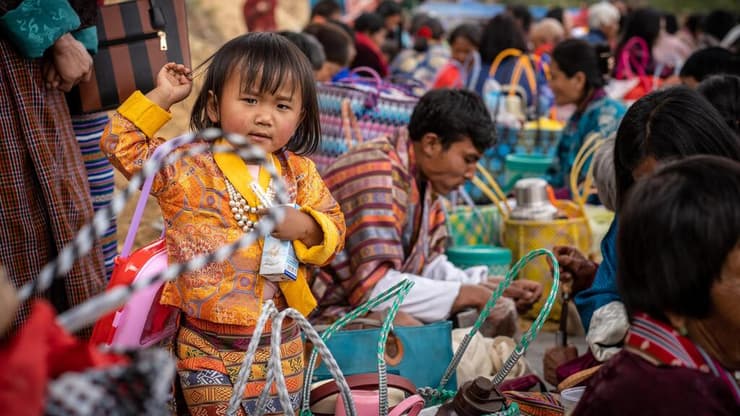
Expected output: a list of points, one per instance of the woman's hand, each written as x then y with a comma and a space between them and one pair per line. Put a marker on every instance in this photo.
576, 271
298, 225
173, 85
71, 64
525, 293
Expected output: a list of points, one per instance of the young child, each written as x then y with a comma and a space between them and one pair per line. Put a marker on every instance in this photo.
261, 86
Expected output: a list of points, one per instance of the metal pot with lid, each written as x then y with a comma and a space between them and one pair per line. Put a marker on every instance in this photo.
532, 202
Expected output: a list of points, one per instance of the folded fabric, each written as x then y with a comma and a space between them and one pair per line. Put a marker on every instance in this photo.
35, 25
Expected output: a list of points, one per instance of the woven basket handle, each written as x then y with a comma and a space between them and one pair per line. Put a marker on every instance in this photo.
591, 144
275, 369
398, 292
527, 337
492, 191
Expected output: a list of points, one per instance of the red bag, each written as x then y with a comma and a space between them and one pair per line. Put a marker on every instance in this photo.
142, 321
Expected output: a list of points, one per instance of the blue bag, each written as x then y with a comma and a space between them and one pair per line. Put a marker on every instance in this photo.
418, 353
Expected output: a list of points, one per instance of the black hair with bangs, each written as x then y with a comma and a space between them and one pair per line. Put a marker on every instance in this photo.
267, 59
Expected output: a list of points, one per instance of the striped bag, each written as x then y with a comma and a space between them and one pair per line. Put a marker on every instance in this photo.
357, 109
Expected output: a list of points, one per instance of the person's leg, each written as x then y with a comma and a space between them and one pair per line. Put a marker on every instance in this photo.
88, 128
208, 367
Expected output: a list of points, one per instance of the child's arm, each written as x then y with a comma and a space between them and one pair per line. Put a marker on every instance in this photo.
128, 140
317, 229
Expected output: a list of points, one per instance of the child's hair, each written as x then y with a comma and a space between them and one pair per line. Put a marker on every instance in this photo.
309, 45
723, 92
676, 231
452, 115
271, 60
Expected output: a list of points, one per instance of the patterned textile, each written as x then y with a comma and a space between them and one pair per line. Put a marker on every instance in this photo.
198, 220
45, 197
391, 224
88, 129
659, 373
601, 115
536, 404
210, 356
141, 387
662, 345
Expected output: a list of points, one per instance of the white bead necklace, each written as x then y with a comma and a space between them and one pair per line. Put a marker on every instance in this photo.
241, 209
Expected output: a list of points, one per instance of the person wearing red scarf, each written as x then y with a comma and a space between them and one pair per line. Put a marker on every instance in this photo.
678, 250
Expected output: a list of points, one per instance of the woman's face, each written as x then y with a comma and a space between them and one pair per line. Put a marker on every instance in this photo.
718, 334
567, 90
461, 48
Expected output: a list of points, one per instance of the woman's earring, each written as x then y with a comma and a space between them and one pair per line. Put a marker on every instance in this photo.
683, 331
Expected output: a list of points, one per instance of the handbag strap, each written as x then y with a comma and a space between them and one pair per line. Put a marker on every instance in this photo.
580, 194
159, 154
350, 126
627, 59
492, 191
274, 365
526, 338
397, 293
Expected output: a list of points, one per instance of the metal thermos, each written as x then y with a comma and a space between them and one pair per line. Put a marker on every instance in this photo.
532, 202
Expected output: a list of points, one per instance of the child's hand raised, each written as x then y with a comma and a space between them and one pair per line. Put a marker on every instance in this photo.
298, 225
173, 85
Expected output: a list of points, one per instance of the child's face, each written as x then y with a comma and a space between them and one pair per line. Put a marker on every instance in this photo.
267, 120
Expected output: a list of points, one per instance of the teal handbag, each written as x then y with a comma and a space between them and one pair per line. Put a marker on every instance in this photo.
418, 353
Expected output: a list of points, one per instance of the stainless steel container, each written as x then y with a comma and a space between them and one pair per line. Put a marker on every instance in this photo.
532, 202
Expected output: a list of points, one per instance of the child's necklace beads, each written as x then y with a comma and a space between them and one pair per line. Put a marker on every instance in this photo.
241, 209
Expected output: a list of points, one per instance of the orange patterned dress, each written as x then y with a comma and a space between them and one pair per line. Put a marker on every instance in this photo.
222, 301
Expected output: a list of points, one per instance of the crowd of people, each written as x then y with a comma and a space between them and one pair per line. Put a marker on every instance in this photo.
659, 310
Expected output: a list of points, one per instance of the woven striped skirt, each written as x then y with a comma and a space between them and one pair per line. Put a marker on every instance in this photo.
88, 128
209, 357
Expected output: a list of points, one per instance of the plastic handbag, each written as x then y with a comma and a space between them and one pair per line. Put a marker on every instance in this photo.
536, 138
635, 56
469, 224
522, 236
143, 321
408, 352
369, 106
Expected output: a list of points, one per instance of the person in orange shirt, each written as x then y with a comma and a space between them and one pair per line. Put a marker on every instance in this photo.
261, 86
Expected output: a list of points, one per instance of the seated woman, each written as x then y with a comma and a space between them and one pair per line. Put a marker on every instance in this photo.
666, 125
576, 78
501, 34
640, 33
679, 277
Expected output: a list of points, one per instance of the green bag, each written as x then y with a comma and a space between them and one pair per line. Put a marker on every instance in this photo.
473, 225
